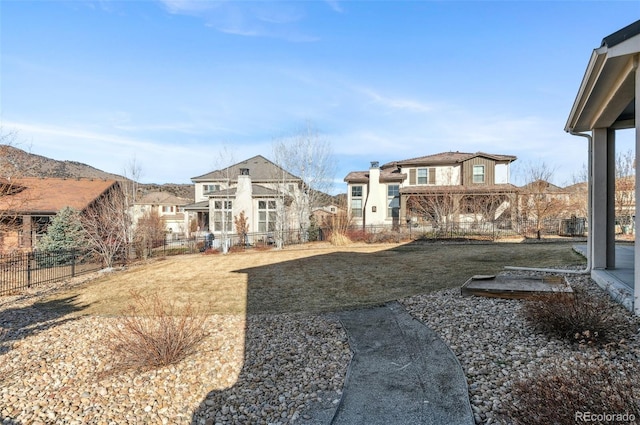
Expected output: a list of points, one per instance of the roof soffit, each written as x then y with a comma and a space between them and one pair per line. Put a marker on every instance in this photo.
607, 89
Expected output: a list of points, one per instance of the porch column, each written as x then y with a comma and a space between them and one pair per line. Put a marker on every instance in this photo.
602, 224
636, 260
403, 213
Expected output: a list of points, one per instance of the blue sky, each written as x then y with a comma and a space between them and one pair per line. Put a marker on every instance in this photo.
175, 83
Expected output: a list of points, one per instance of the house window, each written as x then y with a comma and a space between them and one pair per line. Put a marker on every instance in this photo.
167, 209
267, 216
426, 176
208, 188
222, 216
356, 201
393, 200
356, 207
478, 173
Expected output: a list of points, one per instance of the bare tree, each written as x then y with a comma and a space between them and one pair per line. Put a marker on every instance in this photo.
106, 223
132, 173
223, 215
625, 187
242, 227
12, 191
539, 198
437, 208
578, 201
308, 155
149, 232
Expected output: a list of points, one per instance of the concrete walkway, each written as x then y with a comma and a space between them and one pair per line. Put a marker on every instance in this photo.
618, 281
401, 372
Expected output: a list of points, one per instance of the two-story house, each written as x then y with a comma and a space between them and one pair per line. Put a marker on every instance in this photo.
440, 188
257, 187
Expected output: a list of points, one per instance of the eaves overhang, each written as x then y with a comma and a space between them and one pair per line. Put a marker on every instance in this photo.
606, 97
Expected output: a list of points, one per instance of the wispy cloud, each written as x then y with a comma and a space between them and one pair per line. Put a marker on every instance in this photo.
335, 5
251, 19
391, 102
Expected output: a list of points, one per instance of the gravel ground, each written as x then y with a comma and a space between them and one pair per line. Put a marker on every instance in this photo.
57, 369
270, 369
497, 347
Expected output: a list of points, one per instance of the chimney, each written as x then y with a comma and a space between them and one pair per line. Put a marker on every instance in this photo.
243, 199
375, 164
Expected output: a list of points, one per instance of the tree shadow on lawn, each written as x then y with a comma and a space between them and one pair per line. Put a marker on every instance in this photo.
313, 286
18, 323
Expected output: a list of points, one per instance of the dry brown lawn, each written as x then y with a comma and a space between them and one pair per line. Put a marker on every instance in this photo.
312, 278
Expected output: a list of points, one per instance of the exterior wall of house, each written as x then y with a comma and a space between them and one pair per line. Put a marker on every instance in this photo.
378, 207
502, 173
470, 176
434, 175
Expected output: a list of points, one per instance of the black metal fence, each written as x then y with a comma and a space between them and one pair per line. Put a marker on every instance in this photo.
230, 241
20, 271
574, 227
23, 270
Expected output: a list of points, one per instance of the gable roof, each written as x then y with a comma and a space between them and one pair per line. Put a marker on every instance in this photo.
50, 195
260, 169
161, 198
388, 175
541, 185
448, 158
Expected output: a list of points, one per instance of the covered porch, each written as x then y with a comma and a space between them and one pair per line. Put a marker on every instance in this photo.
619, 280
605, 103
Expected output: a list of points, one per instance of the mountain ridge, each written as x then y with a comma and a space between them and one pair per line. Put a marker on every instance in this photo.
20, 163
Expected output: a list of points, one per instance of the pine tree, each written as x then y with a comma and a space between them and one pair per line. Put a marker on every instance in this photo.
65, 233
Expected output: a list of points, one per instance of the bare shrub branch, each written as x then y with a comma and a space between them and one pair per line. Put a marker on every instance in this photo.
559, 394
578, 317
153, 333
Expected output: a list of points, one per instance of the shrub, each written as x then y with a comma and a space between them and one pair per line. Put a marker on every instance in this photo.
153, 333
236, 248
564, 395
358, 235
339, 239
579, 317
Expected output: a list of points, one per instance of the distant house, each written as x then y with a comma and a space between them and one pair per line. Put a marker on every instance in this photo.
322, 215
168, 206
28, 205
256, 186
440, 188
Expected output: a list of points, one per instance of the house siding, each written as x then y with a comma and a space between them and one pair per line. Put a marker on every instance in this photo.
489, 171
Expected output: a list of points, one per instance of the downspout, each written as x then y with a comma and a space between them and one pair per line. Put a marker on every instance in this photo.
587, 269
364, 207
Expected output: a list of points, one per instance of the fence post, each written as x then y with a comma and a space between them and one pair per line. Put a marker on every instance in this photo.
73, 263
30, 257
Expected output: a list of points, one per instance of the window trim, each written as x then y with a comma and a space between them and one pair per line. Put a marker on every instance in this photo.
481, 175
392, 198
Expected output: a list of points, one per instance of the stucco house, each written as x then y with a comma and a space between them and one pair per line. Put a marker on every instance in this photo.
441, 188
168, 206
28, 205
256, 186
607, 101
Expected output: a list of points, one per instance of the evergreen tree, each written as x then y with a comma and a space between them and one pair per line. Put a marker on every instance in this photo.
65, 233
